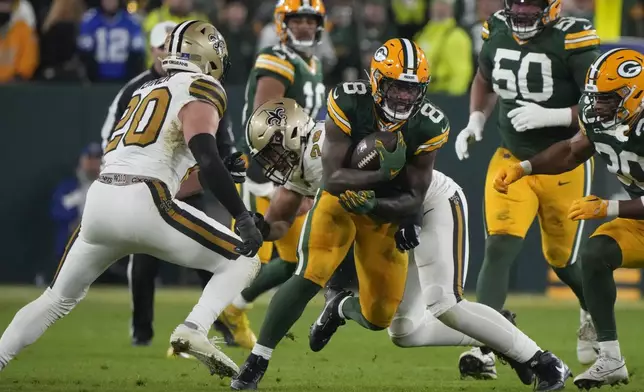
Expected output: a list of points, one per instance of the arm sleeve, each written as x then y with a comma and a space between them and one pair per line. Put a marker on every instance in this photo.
581, 44
225, 137
274, 64
436, 129
334, 110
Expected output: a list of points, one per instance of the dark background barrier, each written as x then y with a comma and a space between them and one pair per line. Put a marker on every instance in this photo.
45, 126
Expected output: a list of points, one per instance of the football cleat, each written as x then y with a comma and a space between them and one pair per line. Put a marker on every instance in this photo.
605, 371
195, 343
328, 322
551, 373
587, 345
251, 373
236, 321
476, 364
523, 370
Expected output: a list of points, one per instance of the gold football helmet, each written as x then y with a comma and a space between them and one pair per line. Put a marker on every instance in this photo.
276, 133
286, 9
196, 46
615, 88
527, 18
399, 78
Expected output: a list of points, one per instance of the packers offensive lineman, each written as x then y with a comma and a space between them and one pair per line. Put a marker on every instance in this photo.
286, 70
279, 128
534, 63
611, 122
167, 129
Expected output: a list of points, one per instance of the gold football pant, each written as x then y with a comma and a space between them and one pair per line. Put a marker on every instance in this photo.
629, 235
328, 233
548, 197
287, 245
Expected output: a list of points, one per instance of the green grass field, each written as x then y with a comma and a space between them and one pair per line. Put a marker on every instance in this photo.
89, 351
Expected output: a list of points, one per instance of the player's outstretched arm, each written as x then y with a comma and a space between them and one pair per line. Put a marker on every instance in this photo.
281, 213
337, 178
563, 156
418, 177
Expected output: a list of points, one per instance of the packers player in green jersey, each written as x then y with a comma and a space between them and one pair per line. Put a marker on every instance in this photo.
533, 64
286, 70
611, 120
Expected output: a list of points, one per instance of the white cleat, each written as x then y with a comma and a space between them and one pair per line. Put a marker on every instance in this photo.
587, 345
474, 363
195, 343
605, 371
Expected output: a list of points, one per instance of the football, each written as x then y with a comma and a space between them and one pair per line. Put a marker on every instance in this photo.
365, 156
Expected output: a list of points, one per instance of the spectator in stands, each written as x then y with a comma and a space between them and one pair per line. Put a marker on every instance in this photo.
484, 10
58, 41
232, 24
111, 43
69, 197
375, 28
579, 9
176, 11
344, 36
409, 16
18, 44
449, 50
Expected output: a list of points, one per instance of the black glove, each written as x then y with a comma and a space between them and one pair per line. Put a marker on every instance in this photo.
250, 235
262, 225
236, 165
407, 237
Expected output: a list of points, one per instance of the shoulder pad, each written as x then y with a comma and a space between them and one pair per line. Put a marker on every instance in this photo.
342, 102
434, 126
275, 59
208, 89
496, 22
89, 15
578, 33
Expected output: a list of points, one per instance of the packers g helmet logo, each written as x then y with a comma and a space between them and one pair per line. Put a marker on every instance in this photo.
381, 54
629, 69
276, 117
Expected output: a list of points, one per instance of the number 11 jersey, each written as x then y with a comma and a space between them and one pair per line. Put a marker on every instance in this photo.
148, 139
549, 70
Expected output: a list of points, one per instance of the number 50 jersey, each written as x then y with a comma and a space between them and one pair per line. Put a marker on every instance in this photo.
148, 139
549, 70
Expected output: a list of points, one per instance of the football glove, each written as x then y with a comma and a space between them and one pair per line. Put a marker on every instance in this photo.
360, 203
473, 132
590, 207
407, 237
506, 176
251, 237
392, 162
532, 116
236, 165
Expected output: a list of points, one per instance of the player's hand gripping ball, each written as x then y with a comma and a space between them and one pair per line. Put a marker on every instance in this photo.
382, 151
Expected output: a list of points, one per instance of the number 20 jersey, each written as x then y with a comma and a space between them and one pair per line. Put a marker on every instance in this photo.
549, 70
148, 140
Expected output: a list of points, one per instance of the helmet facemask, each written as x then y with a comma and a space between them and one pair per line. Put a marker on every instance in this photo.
525, 17
304, 44
607, 108
398, 99
277, 162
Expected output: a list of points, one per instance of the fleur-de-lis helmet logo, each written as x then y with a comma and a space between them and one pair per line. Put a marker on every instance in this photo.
276, 117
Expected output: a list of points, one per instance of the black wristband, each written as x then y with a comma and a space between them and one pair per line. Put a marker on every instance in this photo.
214, 175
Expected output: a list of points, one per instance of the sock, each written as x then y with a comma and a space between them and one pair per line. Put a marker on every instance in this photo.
273, 274
285, 309
494, 278
583, 316
490, 328
571, 276
352, 310
341, 304
239, 302
220, 291
611, 349
262, 351
31, 322
429, 332
601, 256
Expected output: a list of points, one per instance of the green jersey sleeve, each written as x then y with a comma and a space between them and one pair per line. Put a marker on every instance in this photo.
429, 130
342, 103
273, 62
494, 25
581, 46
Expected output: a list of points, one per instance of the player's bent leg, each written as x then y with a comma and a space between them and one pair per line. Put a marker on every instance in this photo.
81, 264
507, 220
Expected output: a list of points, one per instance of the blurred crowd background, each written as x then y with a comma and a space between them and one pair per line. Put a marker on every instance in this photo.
105, 41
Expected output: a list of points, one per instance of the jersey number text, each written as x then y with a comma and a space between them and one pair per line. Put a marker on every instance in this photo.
622, 164
508, 84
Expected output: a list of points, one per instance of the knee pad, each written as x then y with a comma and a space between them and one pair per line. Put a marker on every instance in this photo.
379, 314
601, 252
438, 301
401, 326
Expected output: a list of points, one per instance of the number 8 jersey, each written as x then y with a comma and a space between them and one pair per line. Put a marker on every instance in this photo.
549, 70
148, 139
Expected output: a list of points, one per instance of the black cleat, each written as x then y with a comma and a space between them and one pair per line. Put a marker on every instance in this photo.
250, 373
551, 372
227, 334
328, 322
523, 370
141, 342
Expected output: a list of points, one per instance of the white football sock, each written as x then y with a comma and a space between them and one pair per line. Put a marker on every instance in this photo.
611, 349
490, 328
429, 332
583, 316
262, 351
226, 283
31, 322
240, 303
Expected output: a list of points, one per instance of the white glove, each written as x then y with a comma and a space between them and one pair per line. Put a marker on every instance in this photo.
532, 116
472, 132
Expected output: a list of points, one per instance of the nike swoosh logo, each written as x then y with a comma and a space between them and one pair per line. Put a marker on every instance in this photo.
425, 213
560, 369
560, 183
588, 27
601, 374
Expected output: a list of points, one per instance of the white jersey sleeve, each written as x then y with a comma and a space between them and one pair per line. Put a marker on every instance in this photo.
307, 178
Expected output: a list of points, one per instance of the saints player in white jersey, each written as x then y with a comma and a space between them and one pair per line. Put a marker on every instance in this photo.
168, 128
288, 146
